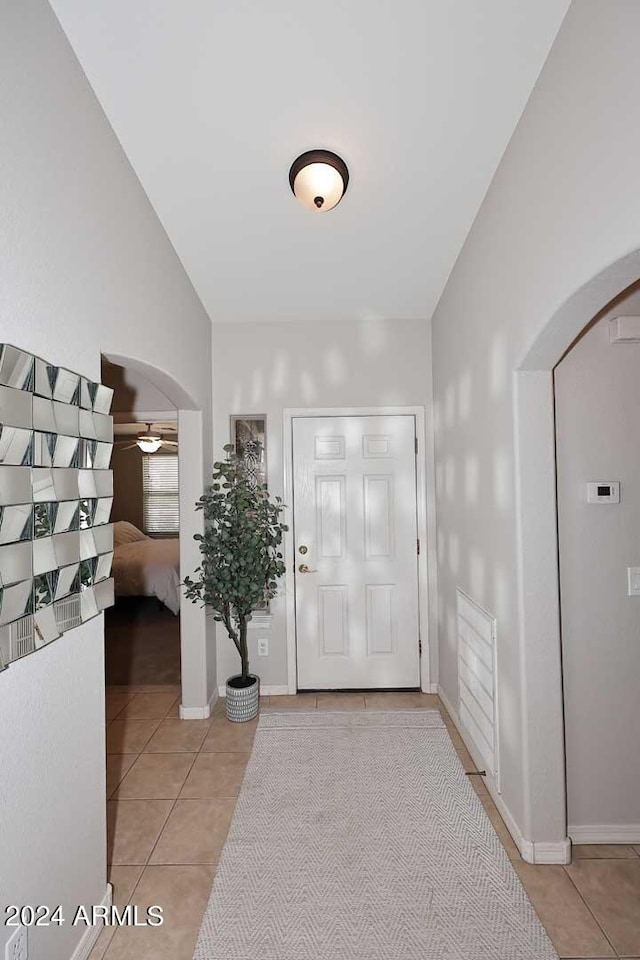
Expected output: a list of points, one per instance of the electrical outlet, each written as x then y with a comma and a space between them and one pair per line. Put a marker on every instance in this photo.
263, 647
17, 947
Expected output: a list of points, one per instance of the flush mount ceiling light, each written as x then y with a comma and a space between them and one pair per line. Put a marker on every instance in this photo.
319, 179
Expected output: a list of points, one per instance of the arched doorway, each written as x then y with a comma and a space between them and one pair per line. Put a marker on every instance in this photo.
537, 558
197, 638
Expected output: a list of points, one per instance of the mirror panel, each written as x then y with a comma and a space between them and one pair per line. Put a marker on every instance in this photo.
102, 457
103, 538
67, 386
103, 568
88, 546
16, 368
15, 601
67, 548
15, 563
44, 556
15, 486
102, 398
44, 519
16, 446
102, 511
15, 407
86, 395
103, 483
87, 426
88, 604
66, 452
45, 626
67, 516
68, 581
104, 593
56, 490
16, 523
45, 378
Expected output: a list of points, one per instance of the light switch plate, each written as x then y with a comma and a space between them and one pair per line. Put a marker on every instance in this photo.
633, 579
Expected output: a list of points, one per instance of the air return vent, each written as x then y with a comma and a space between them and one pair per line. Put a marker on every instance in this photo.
477, 679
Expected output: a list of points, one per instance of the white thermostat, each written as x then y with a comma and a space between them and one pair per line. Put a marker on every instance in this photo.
603, 491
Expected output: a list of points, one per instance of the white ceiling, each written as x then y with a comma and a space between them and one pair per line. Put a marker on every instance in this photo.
213, 99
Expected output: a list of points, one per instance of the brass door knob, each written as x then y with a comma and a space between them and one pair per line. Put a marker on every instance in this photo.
304, 568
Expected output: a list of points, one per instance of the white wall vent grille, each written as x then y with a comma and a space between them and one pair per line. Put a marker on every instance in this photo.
22, 639
67, 612
477, 704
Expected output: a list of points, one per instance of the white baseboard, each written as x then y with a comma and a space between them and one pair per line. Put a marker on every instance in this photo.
266, 690
531, 851
199, 713
91, 934
559, 852
605, 833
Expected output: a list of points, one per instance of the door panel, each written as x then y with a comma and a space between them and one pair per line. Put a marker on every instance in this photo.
378, 517
355, 530
331, 518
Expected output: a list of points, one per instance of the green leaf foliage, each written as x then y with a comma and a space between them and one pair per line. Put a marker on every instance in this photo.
241, 557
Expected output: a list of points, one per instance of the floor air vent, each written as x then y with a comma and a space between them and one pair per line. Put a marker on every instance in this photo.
477, 679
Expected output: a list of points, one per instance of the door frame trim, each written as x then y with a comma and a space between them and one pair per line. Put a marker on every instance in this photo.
427, 560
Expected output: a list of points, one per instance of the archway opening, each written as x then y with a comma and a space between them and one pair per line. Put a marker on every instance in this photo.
597, 396
142, 629
145, 385
537, 557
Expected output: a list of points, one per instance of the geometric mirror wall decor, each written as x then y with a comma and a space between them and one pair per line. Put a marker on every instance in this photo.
56, 491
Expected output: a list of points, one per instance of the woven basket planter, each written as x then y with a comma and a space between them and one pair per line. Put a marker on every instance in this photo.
242, 703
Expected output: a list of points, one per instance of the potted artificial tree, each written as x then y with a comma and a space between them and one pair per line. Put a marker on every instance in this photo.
241, 564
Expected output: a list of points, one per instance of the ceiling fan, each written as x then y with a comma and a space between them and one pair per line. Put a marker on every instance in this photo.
149, 442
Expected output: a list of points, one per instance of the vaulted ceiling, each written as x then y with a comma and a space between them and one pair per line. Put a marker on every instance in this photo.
213, 99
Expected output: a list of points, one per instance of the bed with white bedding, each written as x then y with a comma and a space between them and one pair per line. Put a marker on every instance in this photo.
144, 567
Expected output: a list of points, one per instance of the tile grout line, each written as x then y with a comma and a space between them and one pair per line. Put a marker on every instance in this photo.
111, 865
201, 752
162, 829
148, 861
587, 905
139, 754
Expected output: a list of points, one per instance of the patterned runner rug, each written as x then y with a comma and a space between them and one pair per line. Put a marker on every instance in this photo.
357, 836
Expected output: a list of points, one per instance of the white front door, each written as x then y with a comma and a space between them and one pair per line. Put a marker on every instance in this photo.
355, 536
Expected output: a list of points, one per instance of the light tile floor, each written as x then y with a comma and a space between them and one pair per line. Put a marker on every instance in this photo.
171, 790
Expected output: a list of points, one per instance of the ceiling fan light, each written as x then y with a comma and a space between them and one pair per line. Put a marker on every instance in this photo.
319, 179
149, 444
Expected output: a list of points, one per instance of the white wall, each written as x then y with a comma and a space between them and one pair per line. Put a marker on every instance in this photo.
597, 388
135, 394
85, 269
263, 368
563, 205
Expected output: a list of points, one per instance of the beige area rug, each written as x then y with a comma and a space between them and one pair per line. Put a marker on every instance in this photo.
357, 836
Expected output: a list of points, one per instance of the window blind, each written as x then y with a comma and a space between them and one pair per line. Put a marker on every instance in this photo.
161, 509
